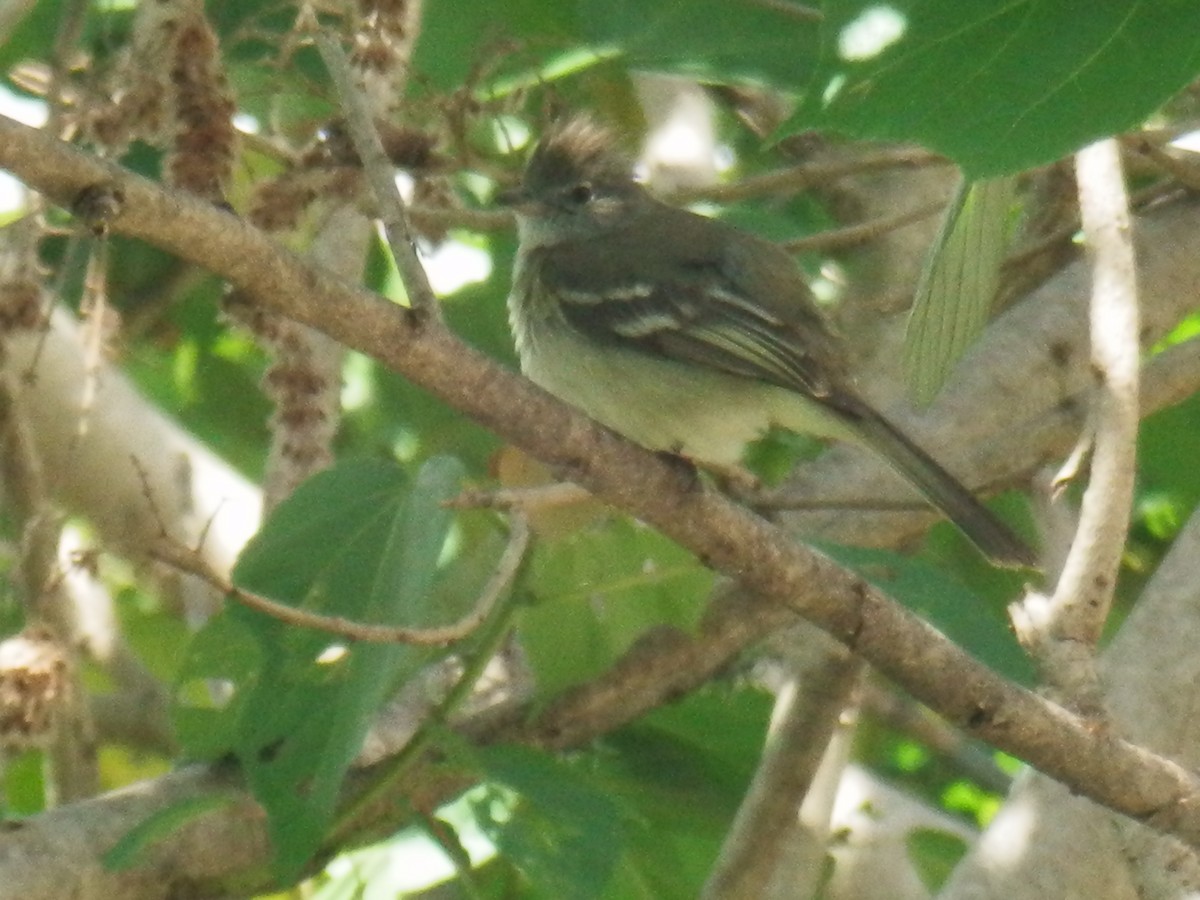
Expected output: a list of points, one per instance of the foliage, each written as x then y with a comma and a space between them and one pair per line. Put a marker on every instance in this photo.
641, 813
353, 541
998, 88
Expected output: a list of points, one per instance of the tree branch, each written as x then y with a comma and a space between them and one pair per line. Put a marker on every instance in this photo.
434, 636
1062, 630
379, 173
806, 713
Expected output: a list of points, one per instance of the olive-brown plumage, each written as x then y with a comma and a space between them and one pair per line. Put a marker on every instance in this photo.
685, 334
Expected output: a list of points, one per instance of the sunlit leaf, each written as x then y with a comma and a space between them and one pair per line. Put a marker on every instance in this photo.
958, 284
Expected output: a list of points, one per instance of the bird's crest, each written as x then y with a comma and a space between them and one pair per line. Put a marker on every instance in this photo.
578, 149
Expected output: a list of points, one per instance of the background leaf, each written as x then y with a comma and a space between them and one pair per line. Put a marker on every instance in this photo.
716, 40
963, 615
597, 590
998, 87
354, 541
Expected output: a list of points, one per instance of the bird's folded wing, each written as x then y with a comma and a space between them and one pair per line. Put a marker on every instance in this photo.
703, 322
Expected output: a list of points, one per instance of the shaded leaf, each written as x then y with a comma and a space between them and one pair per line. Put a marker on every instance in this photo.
998, 87
964, 616
720, 40
355, 541
598, 589
563, 831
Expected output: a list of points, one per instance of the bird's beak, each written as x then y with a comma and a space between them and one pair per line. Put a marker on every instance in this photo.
514, 198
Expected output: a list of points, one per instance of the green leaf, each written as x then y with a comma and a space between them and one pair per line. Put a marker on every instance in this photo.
355, 541
718, 40
1168, 448
598, 590
998, 87
531, 42
206, 717
296, 773
964, 616
563, 831
476, 313
316, 527
958, 284
462, 39
934, 854
682, 771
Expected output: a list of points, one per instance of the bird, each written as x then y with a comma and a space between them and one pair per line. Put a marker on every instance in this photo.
685, 334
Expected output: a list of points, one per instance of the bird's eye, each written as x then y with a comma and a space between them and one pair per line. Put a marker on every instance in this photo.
581, 193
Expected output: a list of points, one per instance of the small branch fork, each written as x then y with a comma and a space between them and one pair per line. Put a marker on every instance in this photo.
170, 552
187, 560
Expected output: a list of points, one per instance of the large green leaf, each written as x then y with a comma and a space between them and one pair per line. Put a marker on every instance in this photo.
530, 42
641, 816
489, 38
683, 770
999, 87
550, 820
1168, 448
721, 40
597, 590
355, 541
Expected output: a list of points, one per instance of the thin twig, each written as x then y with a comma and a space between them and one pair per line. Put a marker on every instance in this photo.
380, 176
793, 499
861, 233
793, 179
1185, 172
94, 310
184, 559
542, 496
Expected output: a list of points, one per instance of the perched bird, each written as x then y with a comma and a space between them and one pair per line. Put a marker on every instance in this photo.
685, 334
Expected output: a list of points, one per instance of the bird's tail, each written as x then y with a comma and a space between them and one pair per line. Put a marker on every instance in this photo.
995, 539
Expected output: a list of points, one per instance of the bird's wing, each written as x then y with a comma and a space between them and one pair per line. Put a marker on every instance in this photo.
723, 303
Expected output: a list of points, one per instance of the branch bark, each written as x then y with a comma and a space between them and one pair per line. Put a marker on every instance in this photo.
1148, 672
1062, 630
